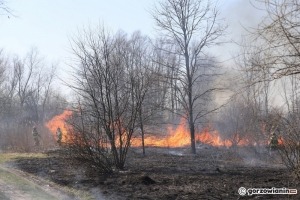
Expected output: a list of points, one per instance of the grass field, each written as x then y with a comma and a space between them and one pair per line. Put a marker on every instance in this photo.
16, 187
25, 185
5, 157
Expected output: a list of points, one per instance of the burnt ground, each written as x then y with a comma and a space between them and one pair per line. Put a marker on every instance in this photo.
214, 173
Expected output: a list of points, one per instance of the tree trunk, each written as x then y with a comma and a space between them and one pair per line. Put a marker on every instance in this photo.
193, 142
190, 102
142, 130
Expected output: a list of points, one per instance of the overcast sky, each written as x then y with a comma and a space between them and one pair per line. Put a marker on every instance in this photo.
49, 24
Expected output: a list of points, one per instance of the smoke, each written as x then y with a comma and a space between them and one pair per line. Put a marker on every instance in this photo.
242, 17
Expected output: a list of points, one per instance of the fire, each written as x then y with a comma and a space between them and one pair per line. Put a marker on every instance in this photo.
213, 138
280, 141
180, 137
59, 121
176, 137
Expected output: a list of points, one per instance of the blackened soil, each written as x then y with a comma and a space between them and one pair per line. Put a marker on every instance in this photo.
172, 174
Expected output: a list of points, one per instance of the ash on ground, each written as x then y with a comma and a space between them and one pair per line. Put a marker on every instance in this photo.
173, 173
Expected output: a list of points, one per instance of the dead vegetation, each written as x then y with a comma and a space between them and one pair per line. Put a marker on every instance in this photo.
213, 173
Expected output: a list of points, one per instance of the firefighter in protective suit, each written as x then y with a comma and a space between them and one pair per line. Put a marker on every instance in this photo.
36, 136
273, 142
59, 135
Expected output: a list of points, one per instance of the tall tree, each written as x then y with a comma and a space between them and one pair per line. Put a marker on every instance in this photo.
193, 26
279, 33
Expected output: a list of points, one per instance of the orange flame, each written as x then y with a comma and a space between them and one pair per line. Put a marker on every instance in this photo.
213, 138
59, 121
178, 137
280, 141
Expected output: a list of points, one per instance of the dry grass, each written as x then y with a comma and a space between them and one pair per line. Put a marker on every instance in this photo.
6, 157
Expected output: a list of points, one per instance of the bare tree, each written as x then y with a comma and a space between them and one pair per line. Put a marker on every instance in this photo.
3, 66
277, 39
288, 127
288, 130
256, 91
166, 65
193, 26
31, 79
26, 98
3, 8
233, 121
290, 87
111, 85
145, 78
279, 34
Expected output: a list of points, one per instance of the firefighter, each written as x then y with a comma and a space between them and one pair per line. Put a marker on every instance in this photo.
36, 136
273, 142
59, 135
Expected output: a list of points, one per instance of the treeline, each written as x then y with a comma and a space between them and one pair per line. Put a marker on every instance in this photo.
128, 85
28, 98
267, 101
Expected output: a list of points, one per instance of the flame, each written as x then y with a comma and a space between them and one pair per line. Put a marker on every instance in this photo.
60, 121
280, 141
176, 137
180, 137
212, 137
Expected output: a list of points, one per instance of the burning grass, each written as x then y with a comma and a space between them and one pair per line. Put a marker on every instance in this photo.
59, 121
176, 137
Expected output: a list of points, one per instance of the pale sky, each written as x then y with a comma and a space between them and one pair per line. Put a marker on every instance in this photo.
49, 24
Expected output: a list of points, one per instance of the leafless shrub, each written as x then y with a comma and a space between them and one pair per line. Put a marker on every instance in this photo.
290, 146
110, 81
88, 143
